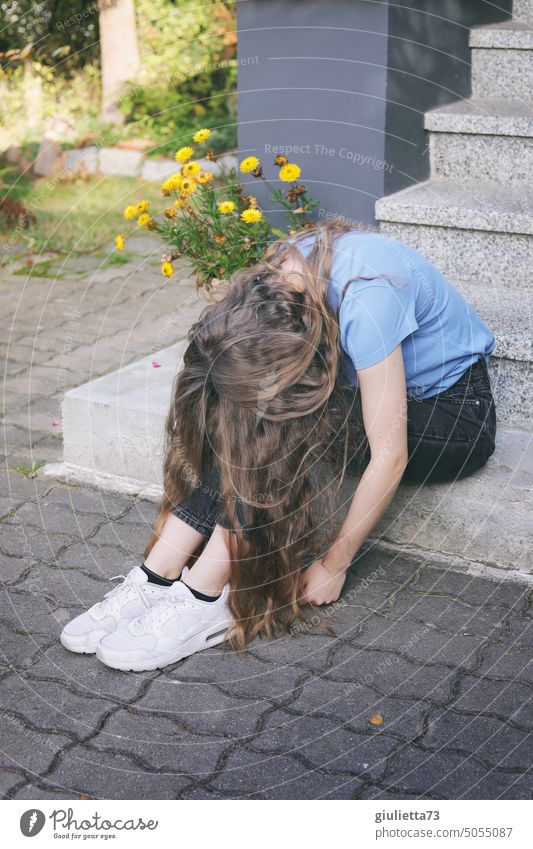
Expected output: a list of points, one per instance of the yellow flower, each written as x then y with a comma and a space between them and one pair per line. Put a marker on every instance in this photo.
251, 216
142, 206
204, 177
188, 187
170, 212
290, 172
119, 243
249, 164
171, 184
143, 220
167, 269
191, 169
225, 207
202, 136
184, 154
130, 212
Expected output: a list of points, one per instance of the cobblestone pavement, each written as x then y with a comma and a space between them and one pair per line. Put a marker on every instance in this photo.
443, 658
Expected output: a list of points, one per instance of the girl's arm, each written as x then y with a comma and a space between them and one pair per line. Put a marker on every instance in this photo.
384, 405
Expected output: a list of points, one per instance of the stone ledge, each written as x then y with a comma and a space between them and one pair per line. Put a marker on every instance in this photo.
483, 116
447, 203
517, 35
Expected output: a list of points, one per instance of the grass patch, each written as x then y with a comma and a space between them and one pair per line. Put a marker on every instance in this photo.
30, 471
118, 259
81, 216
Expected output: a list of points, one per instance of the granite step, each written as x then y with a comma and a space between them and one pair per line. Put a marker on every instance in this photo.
523, 10
502, 61
482, 140
513, 34
479, 232
484, 115
509, 314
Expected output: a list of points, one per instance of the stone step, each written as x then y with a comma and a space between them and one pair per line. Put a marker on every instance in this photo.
478, 233
502, 61
484, 115
483, 519
113, 437
509, 314
523, 10
482, 140
513, 34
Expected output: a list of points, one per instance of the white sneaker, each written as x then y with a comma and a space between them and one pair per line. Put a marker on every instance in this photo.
135, 595
177, 626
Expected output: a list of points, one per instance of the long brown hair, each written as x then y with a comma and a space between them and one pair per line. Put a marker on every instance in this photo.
261, 398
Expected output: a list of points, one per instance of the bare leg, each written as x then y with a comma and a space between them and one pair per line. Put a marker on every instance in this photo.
212, 569
176, 543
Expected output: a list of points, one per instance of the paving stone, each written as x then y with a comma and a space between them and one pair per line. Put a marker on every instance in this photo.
420, 642
504, 660
46, 791
9, 778
54, 519
161, 744
104, 775
102, 561
88, 677
67, 589
496, 743
324, 744
354, 704
447, 775
81, 500
30, 543
521, 631
508, 699
203, 707
390, 673
27, 747
248, 774
453, 616
475, 591
21, 648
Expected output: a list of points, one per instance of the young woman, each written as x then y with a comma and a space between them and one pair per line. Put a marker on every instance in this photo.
336, 328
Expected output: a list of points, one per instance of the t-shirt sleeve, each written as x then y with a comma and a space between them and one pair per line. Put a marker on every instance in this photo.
374, 319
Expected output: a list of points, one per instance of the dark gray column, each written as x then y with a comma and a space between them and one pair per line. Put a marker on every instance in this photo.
345, 83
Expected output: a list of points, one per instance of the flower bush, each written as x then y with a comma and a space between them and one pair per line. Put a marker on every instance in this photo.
211, 221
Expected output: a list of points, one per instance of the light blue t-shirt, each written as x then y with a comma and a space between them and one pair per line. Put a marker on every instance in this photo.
408, 302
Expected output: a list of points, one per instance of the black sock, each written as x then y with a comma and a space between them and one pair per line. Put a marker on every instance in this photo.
154, 578
201, 596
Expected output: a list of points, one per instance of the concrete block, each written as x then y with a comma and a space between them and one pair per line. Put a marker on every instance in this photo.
120, 163
115, 424
83, 160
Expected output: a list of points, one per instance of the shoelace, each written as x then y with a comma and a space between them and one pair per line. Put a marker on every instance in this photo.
115, 598
158, 614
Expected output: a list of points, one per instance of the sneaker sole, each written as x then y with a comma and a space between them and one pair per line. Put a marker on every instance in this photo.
199, 642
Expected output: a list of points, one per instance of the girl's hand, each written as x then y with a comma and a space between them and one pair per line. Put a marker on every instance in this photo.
320, 586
